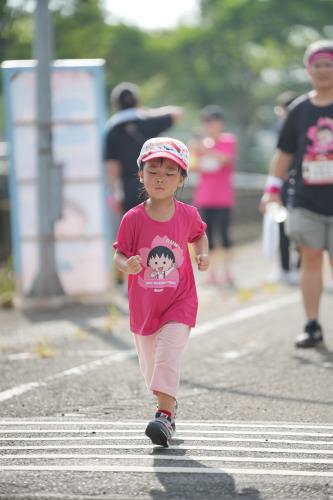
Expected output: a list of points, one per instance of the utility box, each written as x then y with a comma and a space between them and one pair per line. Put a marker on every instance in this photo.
82, 232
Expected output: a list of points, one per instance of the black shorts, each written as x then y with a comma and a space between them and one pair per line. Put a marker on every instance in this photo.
218, 225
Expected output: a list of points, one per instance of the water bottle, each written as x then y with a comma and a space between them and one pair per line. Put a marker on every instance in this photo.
275, 214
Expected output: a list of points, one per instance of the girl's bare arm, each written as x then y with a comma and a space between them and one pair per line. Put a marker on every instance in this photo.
131, 265
201, 251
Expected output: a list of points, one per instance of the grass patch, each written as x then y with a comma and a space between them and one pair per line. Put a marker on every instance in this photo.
7, 284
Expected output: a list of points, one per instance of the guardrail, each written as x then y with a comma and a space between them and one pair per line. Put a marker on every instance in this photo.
247, 219
243, 180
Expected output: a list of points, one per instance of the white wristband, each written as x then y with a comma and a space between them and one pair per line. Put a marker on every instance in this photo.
273, 181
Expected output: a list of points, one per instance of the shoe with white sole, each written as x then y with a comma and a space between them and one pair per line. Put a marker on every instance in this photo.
311, 336
160, 430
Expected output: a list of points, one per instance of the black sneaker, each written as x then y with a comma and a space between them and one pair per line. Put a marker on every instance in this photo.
160, 430
311, 336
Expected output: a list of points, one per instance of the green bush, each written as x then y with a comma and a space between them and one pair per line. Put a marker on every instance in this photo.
7, 284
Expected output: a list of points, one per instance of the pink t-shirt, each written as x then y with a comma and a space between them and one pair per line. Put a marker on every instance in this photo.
164, 290
215, 182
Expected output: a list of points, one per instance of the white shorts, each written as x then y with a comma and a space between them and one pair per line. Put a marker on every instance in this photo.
160, 357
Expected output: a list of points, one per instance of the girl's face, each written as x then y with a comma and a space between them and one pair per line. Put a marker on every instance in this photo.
160, 264
213, 128
161, 177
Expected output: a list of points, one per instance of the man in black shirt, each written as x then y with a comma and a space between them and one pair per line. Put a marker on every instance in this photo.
126, 132
305, 150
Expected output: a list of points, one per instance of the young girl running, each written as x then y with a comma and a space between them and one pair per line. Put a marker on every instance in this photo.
152, 249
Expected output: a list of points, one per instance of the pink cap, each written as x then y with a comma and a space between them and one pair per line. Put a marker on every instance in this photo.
165, 147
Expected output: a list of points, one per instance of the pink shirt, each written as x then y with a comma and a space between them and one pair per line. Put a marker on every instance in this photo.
164, 290
215, 183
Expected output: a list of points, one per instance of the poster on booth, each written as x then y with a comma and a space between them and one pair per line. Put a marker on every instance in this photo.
78, 118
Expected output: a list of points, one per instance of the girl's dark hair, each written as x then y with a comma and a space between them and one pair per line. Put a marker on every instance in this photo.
212, 112
159, 251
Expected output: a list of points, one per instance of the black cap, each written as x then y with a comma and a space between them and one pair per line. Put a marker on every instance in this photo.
125, 95
212, 112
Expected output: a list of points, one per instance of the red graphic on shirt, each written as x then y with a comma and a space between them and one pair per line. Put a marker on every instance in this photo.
321, 136
317, 165
161, 263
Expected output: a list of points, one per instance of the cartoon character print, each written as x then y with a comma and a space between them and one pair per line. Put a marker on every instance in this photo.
321, 136
317, 165
161, 263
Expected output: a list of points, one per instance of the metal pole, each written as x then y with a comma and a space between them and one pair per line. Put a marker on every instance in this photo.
47, 283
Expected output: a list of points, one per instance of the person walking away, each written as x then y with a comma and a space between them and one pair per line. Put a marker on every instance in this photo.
126, 131
152, 249
215, 154
305, 150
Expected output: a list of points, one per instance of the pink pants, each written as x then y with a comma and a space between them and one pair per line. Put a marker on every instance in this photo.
160, 355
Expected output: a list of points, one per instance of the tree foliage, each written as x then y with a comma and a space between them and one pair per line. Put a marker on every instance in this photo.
240, 55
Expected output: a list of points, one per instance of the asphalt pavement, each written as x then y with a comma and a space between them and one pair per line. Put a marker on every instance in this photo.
255, 414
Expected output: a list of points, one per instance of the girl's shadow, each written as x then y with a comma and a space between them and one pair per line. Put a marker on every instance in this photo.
191, 486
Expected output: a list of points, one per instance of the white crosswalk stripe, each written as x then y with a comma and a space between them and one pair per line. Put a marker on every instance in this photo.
200, 447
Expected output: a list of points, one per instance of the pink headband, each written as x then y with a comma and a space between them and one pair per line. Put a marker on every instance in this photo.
320, 55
